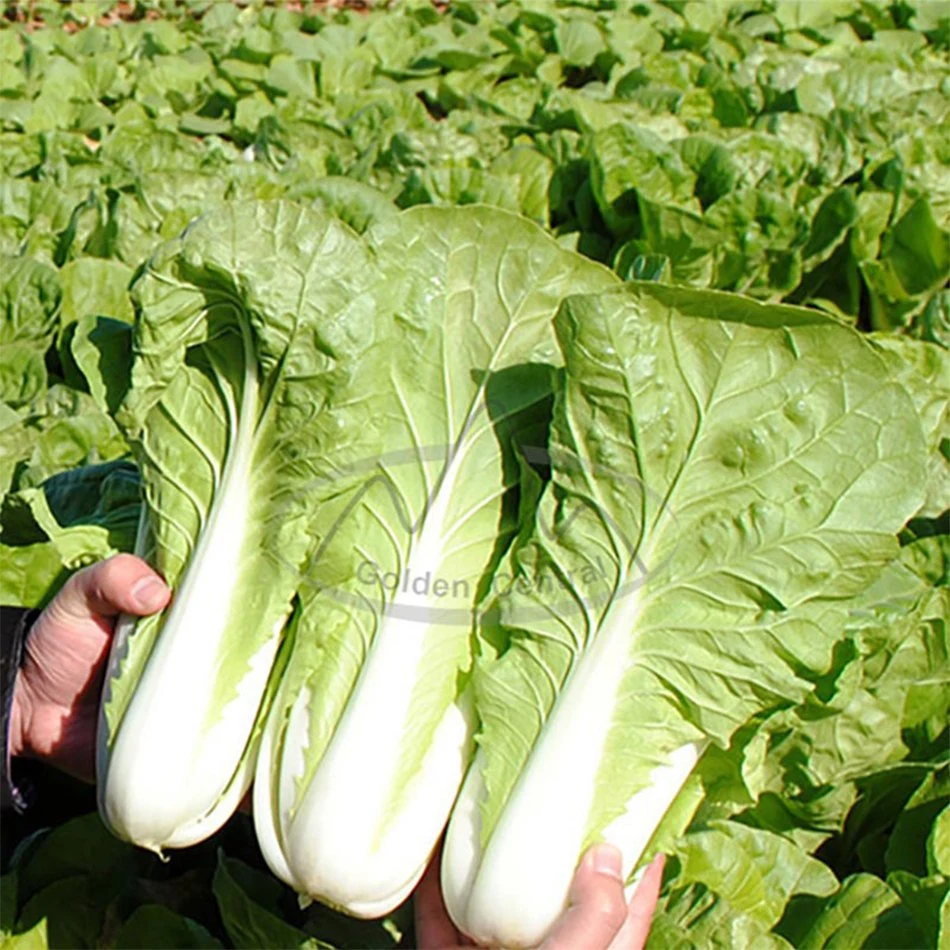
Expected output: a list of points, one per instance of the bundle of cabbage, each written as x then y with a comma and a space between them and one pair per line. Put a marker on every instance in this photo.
360, 428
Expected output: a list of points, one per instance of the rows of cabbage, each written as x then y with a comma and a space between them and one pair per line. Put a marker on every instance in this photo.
786, 150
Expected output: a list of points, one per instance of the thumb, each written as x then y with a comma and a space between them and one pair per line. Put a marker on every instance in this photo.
122, 584
596, 903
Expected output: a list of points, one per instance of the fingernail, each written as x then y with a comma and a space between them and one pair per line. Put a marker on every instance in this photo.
607, 860
149, 593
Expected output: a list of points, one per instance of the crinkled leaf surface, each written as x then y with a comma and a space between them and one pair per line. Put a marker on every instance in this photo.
756, 871
406, 552
865, 912
243, 326
714, 469
224, 341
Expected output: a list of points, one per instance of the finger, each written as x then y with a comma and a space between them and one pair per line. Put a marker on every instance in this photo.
636, 926
597, 906
122, 584
434, 929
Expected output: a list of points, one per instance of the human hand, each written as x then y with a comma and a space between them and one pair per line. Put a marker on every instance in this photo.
597, 917
56, 694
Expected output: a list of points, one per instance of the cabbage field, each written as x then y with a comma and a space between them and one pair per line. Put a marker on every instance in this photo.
520, 397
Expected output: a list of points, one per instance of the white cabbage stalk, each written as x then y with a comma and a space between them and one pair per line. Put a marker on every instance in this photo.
509, 890
355, 837
339, 844
177, 768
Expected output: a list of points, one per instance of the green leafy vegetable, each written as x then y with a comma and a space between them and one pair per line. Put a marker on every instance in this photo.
236, 351
712, 464
787, 151
382, 643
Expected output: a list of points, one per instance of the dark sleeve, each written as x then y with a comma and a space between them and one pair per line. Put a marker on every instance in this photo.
14, 624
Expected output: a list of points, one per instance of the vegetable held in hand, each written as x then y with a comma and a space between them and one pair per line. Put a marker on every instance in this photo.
232, 372
717, 470
370, 734
330, 422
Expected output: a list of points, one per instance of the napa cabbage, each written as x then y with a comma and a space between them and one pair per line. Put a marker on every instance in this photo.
244, 326
716, 470
370, 732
